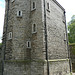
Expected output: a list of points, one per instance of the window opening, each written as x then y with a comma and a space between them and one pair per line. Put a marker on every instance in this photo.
28, 44
33, 5
47, 5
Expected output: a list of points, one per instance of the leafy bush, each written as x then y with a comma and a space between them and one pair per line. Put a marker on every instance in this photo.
72, 48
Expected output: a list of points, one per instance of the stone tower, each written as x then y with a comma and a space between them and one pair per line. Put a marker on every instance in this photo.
35, 38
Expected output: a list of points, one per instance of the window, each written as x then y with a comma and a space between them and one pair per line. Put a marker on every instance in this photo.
48, 6
10, 35
34, 28
64, 36
33, 6
19, 13
12, 1
28, 44
63, 19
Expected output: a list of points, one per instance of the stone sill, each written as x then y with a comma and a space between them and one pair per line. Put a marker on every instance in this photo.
56, 60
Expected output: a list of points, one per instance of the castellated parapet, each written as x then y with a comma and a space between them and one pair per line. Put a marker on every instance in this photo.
26, 25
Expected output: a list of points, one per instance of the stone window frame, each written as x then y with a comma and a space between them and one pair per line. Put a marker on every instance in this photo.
29, 44
19, 13
34, 28
65, 36
12, 1
48, 6
9, 35
33, 5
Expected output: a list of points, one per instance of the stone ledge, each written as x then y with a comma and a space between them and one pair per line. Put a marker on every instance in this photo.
24, 61
56, 60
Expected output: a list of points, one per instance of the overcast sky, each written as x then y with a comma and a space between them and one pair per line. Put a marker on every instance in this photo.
69, 6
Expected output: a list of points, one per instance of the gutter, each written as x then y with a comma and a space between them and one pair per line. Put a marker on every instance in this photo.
46, 43
4, 40
67, 44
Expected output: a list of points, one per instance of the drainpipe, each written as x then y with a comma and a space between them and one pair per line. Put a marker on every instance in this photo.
4, 40
46, 43
67, 44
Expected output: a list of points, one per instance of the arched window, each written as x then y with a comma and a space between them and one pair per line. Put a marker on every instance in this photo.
33, 5
34, 28
28, 44
10, 35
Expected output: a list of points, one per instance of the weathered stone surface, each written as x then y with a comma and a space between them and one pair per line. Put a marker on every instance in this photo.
16, 51
57, 68
0, 59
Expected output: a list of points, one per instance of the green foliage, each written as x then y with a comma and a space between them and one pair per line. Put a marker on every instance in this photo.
71, 28
72, 48
71, 73
0, 44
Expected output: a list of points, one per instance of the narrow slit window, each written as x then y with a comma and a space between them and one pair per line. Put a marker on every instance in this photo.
34, 28
48, 6
64, 36
28, 44
19, 13
63, 19
10, 35
33, 5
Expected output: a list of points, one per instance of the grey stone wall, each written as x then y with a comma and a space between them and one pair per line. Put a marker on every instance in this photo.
19, 68
19, 60
58, 67
57, 47
0, 59
26, 67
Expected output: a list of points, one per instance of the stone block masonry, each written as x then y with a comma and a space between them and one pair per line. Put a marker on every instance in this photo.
0, 59
26, 43
25, 67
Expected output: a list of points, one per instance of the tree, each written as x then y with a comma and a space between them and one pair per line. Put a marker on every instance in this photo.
71, 28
